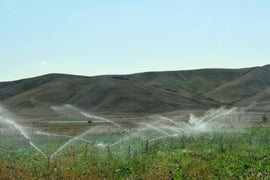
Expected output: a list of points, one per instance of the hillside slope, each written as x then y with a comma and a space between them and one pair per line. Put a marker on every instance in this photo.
151, 92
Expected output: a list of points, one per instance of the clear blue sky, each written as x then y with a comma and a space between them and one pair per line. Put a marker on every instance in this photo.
88, 37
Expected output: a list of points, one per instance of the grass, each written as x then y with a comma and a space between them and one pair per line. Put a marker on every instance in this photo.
228, 154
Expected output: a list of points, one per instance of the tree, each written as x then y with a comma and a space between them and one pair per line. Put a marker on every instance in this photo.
264, 118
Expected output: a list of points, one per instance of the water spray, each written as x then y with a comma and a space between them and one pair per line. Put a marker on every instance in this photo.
195, 123
167, 119
22, 132
60, 135
93, 116
70, 141
158, 129
115, 124
33, 145
125, 138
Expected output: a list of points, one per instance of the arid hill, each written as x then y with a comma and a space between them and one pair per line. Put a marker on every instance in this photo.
150, 92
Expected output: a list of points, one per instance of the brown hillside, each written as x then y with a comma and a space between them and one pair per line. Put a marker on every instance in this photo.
151, 92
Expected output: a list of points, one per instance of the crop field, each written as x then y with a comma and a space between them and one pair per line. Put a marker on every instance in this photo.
212, 146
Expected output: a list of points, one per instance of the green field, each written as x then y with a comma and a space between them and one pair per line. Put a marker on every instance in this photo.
225, 153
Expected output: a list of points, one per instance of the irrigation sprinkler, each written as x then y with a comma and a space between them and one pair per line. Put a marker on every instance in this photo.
85, 152
48, 163
128, 151
146, 145
108, 149
172, 138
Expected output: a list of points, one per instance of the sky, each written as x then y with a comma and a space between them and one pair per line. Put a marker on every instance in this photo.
87, 37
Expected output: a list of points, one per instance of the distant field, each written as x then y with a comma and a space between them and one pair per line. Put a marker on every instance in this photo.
67, 119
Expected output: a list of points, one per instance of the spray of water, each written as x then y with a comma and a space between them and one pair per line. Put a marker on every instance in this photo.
201, 123
124, 139
74, 109
195, 124
167, 119
32, 144
157, 138
162, 137
60, 135
157, 129
18, 127
70, 141
101, 145
174, 129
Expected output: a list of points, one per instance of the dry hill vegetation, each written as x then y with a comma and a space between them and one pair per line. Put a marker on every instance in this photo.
151, 92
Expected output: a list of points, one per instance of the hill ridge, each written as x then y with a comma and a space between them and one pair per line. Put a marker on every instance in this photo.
149, 92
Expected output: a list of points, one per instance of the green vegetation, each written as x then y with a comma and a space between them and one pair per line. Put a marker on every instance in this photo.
230, 153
